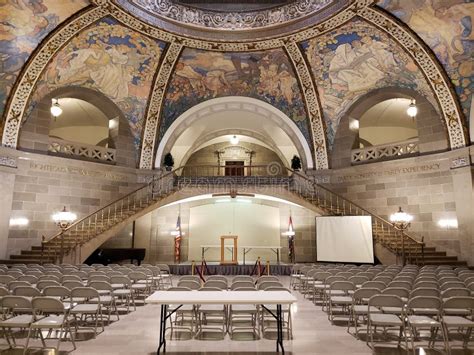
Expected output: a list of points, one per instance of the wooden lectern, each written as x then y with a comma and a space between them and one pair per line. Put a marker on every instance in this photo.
234, 250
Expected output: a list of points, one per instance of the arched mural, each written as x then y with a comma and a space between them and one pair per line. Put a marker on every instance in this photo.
23, 24
445, 26
202, 75
355, 59
109, 58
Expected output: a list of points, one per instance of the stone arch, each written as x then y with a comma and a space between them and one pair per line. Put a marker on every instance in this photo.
266, 111
432, 132
34, 134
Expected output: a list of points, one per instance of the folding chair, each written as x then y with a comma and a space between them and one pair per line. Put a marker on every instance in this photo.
424, 312
386, 320
459, 318
18, 314
50, 314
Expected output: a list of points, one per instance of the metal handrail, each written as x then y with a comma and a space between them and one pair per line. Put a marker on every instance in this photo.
104, 214
357, 206
110, 204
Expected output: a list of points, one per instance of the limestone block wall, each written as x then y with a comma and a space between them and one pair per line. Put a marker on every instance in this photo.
431, 188
43, 185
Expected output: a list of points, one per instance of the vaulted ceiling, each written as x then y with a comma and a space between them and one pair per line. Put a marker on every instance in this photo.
311, 60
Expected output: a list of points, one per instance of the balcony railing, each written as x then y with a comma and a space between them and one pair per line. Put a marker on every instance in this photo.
385, 151
80, 150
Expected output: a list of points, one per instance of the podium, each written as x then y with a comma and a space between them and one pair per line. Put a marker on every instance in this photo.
233, 247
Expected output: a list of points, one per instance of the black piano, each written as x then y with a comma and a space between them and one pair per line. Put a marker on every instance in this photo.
107, 256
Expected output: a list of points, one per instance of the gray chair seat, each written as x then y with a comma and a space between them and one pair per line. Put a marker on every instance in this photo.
385, 319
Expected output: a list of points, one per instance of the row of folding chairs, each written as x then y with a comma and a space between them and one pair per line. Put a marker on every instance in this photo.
410, 298
228, 319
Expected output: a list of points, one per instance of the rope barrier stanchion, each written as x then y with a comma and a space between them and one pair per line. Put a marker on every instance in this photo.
254, 269
259, 267
193, 267
268, 267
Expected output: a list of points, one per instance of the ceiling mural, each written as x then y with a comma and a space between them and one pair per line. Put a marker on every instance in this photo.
353, 60
446, 26
23, 24
112, 59
201, 75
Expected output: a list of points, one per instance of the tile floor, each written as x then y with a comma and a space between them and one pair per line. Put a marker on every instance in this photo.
137, 333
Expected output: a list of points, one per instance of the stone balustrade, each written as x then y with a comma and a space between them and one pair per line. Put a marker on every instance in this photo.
80, 150
385, 151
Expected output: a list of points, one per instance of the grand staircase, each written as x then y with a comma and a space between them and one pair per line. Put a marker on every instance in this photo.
68, 246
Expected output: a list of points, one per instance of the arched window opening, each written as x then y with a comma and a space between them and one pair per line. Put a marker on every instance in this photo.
80, 122
387, 122
386, 131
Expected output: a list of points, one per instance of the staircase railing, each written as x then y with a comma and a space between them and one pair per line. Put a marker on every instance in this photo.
232, 177
400, 243
83, 230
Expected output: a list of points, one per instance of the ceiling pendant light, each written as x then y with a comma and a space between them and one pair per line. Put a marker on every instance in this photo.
234, 140
412, 110
55, 109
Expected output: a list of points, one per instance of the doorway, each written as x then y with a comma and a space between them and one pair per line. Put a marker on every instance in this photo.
234, 168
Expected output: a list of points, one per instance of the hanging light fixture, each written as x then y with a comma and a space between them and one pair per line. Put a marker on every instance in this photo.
55, 109
412, 110
64, 218
234, 140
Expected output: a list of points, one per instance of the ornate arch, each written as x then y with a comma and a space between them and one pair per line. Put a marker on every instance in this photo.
429, 66
423, 57
34, 67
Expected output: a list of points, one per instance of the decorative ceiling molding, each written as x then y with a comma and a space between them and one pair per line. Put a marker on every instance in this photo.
190, 21
31, 72
429, 65
313, 105
153, 115
39, 60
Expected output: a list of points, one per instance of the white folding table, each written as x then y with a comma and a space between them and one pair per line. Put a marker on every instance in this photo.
276, 250
165, 298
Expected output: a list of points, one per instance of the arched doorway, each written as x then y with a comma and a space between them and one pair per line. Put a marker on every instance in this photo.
252, 121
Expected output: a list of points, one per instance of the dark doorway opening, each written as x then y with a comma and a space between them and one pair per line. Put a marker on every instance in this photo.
234, 168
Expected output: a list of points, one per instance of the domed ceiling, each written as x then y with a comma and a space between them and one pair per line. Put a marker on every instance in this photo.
312, 60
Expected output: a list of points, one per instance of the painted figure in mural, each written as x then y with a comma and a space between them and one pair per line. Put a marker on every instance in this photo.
109, 58
203, 75
354, 60
446, 26
23, 24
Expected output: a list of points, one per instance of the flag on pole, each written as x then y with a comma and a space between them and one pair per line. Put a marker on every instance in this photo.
177, 241
291, 241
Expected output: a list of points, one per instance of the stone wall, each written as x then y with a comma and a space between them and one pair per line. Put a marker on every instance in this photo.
43, 185
431, 188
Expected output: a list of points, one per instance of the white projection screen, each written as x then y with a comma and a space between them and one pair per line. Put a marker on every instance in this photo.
346, 239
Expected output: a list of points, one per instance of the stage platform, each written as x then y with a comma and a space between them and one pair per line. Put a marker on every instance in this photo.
217, 269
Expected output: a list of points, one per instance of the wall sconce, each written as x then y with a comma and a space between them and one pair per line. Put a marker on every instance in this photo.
448, 223
20, 221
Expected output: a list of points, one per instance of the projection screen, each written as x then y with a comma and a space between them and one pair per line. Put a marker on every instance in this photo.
346, 239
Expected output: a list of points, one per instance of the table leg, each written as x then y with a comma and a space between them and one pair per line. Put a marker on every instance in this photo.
162, 329
163, 318
280, 329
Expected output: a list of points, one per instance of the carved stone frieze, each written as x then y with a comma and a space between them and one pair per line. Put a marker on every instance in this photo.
152, 119
313, 105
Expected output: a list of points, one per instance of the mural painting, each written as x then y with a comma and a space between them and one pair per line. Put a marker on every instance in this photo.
109, 58
446, 26
23, 24
353, 60
202, 75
